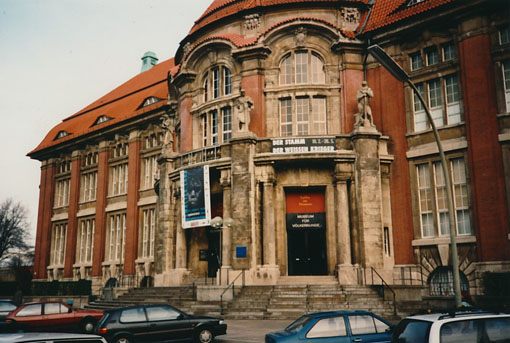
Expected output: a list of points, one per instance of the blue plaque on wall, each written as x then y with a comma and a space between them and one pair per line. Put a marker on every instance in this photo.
240, 252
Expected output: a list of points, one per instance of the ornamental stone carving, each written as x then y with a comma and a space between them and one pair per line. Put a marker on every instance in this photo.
364, 119
300, 36
350, 18
252, 22
242, 108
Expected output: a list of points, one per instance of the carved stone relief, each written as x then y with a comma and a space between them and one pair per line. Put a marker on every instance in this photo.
350, 18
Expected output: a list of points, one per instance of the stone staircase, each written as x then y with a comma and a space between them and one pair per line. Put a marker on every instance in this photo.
290, 298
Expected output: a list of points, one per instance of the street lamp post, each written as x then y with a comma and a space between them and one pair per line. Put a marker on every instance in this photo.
390, 65
220, 224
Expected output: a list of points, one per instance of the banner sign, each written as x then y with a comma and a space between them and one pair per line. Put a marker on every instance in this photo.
306, 221
302, 145
195, 197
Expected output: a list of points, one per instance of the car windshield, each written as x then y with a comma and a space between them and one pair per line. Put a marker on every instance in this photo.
416, 331
298, 324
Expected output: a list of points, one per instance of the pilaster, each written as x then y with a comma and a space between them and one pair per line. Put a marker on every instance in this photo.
72, 221
101, 193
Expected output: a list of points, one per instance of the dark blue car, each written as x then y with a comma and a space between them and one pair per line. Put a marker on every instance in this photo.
335, 327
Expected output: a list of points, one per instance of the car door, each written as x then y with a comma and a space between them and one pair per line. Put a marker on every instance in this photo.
167, 324
134, 321
58, 316
366, 328
328, 330
30, 316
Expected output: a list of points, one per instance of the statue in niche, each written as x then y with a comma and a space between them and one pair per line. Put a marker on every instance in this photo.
242, 108
364, 116
167, 124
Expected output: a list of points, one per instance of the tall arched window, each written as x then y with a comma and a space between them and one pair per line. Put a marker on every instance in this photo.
301, 67
217, 83
302, 113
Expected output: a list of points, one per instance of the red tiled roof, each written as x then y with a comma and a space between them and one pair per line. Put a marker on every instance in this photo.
120, 104
220, 9
241, 41
386, 12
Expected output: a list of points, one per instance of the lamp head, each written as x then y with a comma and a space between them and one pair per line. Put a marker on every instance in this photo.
217, 222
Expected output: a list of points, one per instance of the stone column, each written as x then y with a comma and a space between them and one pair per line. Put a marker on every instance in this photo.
269, 237
226, 233
368, 196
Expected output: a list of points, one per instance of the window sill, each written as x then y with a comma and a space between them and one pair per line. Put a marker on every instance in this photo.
443, 240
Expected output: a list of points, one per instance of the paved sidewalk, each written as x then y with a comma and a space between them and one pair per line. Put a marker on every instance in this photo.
250, 331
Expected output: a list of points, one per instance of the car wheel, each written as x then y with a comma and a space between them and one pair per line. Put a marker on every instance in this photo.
204, 335
122, 339
87, 325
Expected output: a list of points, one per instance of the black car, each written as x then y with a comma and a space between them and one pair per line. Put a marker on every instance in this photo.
157, 323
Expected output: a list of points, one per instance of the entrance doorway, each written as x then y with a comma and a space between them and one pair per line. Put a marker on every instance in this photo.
306, 232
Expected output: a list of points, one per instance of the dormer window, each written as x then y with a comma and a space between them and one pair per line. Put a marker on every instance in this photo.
62, 134
217, 83
149, 101
414, 2
101, 120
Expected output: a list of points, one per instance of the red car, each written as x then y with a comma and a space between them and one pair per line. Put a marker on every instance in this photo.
53, 316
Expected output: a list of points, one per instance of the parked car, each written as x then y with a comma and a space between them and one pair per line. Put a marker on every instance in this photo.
6, 307
157, 323
460, 326
53, 316
49, 337
335, 327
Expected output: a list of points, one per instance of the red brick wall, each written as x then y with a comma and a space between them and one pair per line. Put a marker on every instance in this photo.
186, 126
43, 236
100, 228
72, 221
254, 88
131, 244
484, 150
351, 82
388, 108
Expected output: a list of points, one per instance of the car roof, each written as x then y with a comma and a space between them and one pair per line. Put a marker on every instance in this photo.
337, 313
47, 337
434, 317
138, 306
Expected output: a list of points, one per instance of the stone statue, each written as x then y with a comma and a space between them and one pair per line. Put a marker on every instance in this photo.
242, 108
364, 116
167, 124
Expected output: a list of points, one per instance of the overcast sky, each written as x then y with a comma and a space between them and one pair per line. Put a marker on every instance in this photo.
58, 56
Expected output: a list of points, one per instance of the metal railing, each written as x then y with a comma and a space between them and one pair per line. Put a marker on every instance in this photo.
186, 289
231, 285
384, 284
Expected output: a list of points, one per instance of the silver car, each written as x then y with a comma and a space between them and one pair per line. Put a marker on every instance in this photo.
49, 337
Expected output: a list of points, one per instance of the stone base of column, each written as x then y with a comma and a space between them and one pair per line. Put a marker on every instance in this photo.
175, 277
224, 275
265, 275
97, 285
347, 274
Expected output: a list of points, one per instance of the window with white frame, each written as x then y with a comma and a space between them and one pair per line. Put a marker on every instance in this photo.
302, 66
118, 179
116, 237
58, 243
431, 55
425, 201
120, 150
504, 34
444, 101
217, 82
90, 159
449, 52
85, 246
433, 205
416, 61
153, 140
506, 79
150, 169
62, 192
148, 232
217, 126
88, 186
302, 116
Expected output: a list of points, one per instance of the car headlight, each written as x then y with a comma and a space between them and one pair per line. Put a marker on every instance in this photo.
222, 322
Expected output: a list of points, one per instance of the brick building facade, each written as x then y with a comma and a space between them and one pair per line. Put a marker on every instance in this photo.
262, 101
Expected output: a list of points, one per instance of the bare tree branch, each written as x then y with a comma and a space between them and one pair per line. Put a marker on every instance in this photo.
13, 228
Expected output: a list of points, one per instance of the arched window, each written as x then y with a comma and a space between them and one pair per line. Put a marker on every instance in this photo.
217, 83
302, 67
441, 282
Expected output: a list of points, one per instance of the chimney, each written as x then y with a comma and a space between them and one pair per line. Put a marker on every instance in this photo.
149, 59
